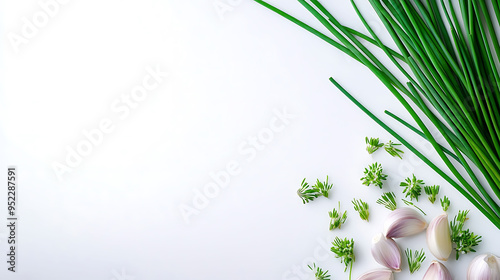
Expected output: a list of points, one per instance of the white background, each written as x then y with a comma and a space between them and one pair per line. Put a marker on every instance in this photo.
117, 214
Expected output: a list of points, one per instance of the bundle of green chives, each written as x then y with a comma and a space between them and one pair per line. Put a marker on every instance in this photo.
452, 51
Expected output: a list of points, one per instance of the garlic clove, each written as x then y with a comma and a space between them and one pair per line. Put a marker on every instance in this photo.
386, 252
377, 274
437, 271
404, 222
484, 267
438, 237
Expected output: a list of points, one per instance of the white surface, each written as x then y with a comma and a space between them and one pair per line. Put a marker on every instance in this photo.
117, 214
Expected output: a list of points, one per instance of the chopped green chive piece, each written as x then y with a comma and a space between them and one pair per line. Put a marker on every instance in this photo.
362, 208
415, 259
344, 249
307, 193
319, 273
413, 187
445, 203
390, 147
323, 187
432, 192
388, 200
337, 218
374, 175
464, 239
373, 144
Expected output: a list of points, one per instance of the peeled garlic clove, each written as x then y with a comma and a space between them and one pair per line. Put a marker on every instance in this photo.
484, 267
386, 252
378, 274
437, 271
438, 237
404, 222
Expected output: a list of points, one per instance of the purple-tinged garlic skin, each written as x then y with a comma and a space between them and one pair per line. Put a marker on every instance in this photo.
386, 252
437, 271
484, 267
404, 222
377, 274
438, 237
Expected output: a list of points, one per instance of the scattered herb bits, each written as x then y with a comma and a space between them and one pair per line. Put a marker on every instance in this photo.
390, 148
464, 239
445, 203
307, 193
319, 274
388, 200
373, 144
415, 259
344, 249
323, 187
432, 192
337, 218
362, 208
413, 187
374, 175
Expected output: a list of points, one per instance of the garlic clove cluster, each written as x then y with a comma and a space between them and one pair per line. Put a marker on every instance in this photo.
484, 267
404, 222
386, 252
438, 237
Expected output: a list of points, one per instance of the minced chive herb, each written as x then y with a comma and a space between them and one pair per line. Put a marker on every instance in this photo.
344, 249
362, 208
415, 259
388, 200
432, 192
374, 175
413, 187
373, 144
337, 218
